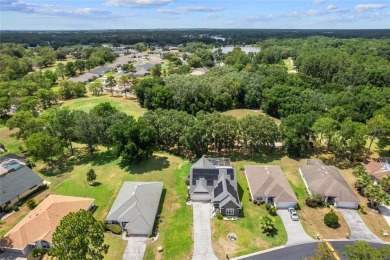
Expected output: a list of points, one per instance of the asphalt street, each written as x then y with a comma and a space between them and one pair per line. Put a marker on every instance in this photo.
302, 251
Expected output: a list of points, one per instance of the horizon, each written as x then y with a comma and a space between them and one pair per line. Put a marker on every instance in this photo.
40, 15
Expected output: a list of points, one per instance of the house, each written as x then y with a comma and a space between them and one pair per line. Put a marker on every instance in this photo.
214, 180
16, 180
37, 228
101, 70
135, 207
269, 184
378, 170
85, 78
329, 183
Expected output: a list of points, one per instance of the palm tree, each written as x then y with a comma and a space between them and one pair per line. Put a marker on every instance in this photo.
266, 224
111, 83
123, 82
376, 195
362, 182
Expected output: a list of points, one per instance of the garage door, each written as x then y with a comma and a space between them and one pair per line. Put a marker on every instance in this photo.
201, 196
346, 204
285, 205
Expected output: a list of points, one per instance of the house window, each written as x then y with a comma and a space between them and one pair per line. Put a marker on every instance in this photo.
230, 211
259, 198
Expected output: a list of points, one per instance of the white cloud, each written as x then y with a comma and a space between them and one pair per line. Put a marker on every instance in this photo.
331, 7
314, 12
138, 3
368, 7
211, 16
318, 1
189, 9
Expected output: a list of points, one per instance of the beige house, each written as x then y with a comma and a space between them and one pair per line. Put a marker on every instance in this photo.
37, 228
269, 184
329, 183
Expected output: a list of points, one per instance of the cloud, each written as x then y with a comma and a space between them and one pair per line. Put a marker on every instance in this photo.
138, 3
330, 9
189, 9
18, 6
211, 16
317, 2
369, 7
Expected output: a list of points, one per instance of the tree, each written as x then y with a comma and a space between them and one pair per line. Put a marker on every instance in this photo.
155, 71
322, 252
363, 181
123, 81
385, 183
80, 65
26, 123
79, 236
44, 147
61, 70
70, 69
266, 224
96, 88
362, 251
91, 175
86, 129
89, 65
376, 195
61, 125
378, 126
324, 127
111, 83
331, 220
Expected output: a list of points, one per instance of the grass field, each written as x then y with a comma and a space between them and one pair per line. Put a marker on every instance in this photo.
129, 107
240, 113
11, 144
116, 246
111, 172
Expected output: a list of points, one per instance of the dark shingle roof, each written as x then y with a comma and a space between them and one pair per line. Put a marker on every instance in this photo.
15, 183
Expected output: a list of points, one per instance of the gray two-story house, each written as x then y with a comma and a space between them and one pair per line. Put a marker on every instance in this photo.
214, 180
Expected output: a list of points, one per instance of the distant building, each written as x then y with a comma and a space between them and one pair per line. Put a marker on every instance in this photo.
214, 180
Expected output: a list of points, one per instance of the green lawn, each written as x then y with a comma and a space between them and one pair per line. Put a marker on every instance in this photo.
175, 230
289, 63
240, 113
10, 143
129, 107
249, 236
116, 246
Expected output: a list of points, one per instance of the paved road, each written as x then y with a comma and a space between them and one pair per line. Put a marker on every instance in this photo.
358, 229
294, 229
302, 251
385, 211
135, 248
202, 232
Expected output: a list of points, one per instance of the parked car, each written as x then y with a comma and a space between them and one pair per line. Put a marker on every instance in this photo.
293, 214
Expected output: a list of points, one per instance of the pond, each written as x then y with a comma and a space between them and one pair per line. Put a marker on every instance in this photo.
245, 49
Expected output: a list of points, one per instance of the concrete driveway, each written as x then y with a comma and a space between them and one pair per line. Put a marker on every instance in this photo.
135, 248
385, 211
295, 232
11, 256
202, 232
359, 230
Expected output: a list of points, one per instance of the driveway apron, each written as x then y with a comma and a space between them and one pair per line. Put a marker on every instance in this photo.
358, 229
295, 232
202, 232
135, 248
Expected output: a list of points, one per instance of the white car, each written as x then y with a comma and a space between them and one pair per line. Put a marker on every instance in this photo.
293, 214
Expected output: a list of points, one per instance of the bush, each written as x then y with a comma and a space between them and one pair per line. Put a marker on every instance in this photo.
114, 228
267, 206
331, 220
272, 211
7, 209
314, 201
31, 204
38, 252
15, 208
219, 216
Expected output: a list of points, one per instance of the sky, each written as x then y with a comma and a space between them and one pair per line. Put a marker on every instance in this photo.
156, 14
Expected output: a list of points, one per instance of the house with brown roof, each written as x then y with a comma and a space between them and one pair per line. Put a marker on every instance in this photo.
269, 184
37, 228
378, 170
329, 183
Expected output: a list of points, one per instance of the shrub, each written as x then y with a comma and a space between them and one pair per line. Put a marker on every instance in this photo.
31, 204
219, 216
267, 206
38, 252
114, 228
314, 201
15, 208
331, 220
272, 211
7, 209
